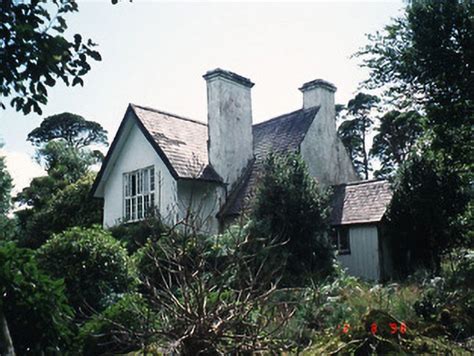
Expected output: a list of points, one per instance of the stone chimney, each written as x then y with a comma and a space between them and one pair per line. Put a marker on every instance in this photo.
229, 115
321, 93
318, 93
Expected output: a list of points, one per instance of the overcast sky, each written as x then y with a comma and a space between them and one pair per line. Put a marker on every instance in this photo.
155, 54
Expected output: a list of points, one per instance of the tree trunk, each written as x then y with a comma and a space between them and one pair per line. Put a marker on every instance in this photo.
6, 343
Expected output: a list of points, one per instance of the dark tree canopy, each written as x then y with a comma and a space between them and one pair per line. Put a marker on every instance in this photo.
35, 53
54, 207
291, 208
423, 217
74, 129
425, 58
397, 134
355, 129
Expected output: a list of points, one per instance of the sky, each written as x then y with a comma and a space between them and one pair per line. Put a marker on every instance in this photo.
155, 53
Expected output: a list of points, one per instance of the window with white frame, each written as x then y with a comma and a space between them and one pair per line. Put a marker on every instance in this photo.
138, 193
341, 241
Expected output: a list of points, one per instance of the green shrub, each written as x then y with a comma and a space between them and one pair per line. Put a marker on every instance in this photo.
125, 326
93, 264
291, 209
35, 306
135, 235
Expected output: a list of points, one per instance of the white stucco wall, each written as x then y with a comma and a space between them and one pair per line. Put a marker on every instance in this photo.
204, 200
135, 153
322, 149
363, 261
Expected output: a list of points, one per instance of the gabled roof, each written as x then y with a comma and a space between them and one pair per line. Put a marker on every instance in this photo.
180, 142
360, 202
280, 134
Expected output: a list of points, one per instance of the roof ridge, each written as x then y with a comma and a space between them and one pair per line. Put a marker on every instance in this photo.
167, 113
282, 116
368, 181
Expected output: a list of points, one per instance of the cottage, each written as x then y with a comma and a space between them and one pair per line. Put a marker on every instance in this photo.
183, 167
357, 217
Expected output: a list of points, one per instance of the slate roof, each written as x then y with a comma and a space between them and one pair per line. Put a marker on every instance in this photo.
360, 202
280, 134
182, 140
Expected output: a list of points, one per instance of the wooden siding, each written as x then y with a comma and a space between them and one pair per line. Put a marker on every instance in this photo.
363, 261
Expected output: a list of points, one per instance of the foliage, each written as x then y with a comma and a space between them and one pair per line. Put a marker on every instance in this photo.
135, 235
422, 219
5, 190
56, 209
34, 305
93, 264
73, 129
123, 327
207, 298
339, 316
355, 129
63, 162
61, 199
397, 134
5, 186
292, 210
424, 59
35, 53
448, 300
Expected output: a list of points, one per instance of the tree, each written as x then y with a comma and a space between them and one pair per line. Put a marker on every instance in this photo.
423, 216
65, 208
35, 53
293, 210
76, 131
5, 186
34, 307
425, 59
92, 263
397, 134
5, 189
354, 131
349, 132
63, 162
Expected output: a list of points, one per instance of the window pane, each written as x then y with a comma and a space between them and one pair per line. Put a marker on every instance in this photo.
145, 181
134, 184
152, 179
134, 208
126, 186
140, 207
344, 242
127, 209
146, 203
152, 201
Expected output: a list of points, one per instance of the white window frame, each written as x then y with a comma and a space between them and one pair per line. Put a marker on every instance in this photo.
139, 193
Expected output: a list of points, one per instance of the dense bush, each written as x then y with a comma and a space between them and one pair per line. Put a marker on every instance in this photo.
93, 264
448, 300
206, 298
34, 305
125, 326
135, 235
293, 210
